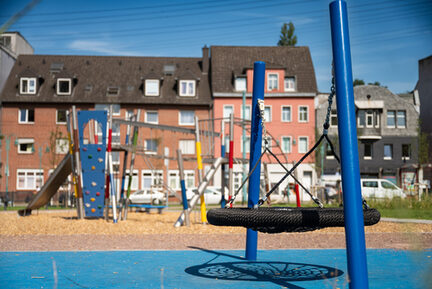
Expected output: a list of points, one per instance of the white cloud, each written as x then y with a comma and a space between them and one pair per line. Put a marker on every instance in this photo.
100, 47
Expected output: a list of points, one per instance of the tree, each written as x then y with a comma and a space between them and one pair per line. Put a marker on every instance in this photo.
423, 146
287, 37
377, 83
358, 82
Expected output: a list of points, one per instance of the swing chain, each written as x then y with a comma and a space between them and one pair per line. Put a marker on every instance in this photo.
261, 109
326, 124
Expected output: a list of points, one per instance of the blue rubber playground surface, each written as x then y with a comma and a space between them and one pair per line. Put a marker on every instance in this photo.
201, 268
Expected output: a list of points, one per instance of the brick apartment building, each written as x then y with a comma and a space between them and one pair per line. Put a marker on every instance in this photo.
290, 89
41, 88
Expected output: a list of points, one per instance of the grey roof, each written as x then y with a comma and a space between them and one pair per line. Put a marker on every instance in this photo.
228, 61
361, 92
93, 75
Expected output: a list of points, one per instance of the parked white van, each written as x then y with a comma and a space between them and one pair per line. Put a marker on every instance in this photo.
380, 189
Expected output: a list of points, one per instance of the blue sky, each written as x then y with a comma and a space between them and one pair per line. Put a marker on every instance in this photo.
388, 37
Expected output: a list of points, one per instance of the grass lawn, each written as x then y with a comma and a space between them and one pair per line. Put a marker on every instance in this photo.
406, 213
409, 208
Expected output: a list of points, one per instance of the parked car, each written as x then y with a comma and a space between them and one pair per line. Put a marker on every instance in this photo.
153, 197
380, 189
212, 195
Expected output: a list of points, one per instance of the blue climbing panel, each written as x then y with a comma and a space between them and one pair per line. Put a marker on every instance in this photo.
93, 160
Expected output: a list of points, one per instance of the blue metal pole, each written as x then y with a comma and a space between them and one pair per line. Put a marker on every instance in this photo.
354, 225
255, 153
183, 187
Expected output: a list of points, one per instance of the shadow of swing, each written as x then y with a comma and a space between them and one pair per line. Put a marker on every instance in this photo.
280, 273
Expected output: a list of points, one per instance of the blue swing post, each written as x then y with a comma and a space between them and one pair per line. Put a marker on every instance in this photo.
354, 224
255, 153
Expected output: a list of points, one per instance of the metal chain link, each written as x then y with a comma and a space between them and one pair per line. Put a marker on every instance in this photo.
326, 124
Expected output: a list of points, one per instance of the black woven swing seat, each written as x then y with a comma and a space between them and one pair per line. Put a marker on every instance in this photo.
285, 219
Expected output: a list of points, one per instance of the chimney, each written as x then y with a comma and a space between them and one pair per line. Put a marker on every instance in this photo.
205, 60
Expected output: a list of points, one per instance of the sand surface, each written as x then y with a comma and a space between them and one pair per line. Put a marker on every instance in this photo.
61, 230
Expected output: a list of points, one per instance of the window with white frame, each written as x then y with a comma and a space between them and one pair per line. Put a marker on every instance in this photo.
247, 112
369, 118
333, 118
134, 184
115, 133
406, 151
116, 108
28, 85
303, 114
272, 81
187, 146
151, 146
6, 41
187, 88
388, 151
146, 180
376, 118
228, 110
151, 179
174, 179
152, 117
186, 117
401, 119
303, 144
368, 151
240, 84
286, 113
64, 86
25, 145
26, 115
62, 146
286, 144
267, 113
152, 87
29, 179
391, 118
289, 83
189, 179
61, 116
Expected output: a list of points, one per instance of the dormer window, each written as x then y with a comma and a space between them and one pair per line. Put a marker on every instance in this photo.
240, 84
289, 83
64, 86
113, 91
152, 87
28, 85
187, 88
